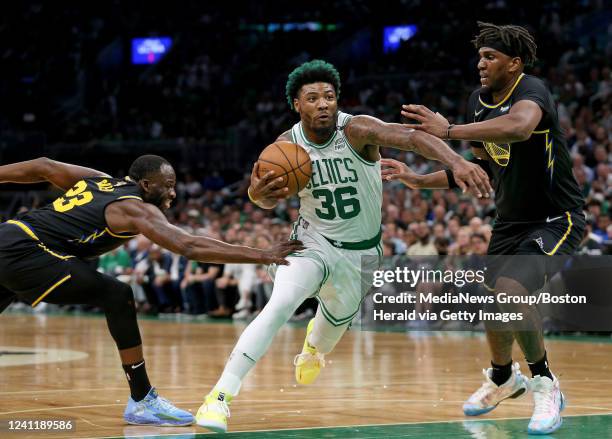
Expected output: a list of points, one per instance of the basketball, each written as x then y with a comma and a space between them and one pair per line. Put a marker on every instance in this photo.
289, 161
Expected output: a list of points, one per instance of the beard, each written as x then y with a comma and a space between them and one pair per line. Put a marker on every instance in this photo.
157, 199
326, 130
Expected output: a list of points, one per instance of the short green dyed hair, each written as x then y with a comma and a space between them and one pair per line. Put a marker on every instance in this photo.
308, 73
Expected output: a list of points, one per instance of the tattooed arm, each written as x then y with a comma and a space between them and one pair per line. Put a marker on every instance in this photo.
363, 131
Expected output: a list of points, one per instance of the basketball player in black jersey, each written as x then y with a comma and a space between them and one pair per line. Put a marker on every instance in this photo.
43, 253
515, 134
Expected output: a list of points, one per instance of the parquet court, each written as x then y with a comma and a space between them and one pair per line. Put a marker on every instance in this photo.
379, 385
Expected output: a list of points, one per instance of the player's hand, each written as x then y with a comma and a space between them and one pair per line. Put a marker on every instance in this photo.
471, 177
278, 252
432, 123
395, 170
266, 191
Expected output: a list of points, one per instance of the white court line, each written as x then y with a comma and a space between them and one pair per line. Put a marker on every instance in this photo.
296, 401
450, 421
336, 384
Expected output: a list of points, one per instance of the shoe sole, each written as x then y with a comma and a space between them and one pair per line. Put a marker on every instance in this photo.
554, 427
520, 392
164, 424
213, 426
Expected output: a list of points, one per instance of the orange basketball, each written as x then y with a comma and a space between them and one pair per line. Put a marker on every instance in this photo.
289, 161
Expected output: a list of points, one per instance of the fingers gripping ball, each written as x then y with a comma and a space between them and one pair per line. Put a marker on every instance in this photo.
289, 161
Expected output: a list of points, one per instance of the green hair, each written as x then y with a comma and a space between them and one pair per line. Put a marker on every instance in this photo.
516, 38
308, 73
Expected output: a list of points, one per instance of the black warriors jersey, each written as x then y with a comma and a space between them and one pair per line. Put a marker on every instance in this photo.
533, 179
75, 223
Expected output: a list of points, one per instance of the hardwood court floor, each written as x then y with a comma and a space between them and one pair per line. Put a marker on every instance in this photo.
389, 384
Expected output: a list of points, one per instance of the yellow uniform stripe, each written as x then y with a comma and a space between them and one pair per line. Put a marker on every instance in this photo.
507, 96
118, 236
51, 252
32, 235
541, 132
488, 288
25, 228
567, 232
54, 286
133, 197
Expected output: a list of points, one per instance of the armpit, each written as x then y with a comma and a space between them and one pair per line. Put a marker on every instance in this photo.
285, 137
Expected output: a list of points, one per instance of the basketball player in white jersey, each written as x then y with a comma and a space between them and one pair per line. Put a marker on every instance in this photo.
339, 223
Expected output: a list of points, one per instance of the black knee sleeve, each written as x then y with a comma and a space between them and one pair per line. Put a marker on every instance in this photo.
121, 316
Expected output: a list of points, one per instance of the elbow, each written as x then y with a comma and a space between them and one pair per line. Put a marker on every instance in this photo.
518, 131
44, 166
187, 248
522, 134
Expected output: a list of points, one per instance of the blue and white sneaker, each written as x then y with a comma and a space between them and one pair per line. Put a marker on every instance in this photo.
489, 395
549, 402
155, 410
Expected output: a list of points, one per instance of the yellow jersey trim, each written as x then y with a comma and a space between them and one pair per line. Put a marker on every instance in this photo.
52, 253
115, 235
25, 228
54, 286
564, 237
133, 197
32, 235
488, 288
541, 132
507, 96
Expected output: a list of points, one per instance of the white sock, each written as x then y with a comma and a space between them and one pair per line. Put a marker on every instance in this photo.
229, 383
292, 285
325, 336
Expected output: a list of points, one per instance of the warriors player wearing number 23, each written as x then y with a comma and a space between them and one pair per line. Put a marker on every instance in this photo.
339, 224
43, 253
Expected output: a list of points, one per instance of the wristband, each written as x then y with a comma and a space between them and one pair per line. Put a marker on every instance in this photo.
452, 184
448, 130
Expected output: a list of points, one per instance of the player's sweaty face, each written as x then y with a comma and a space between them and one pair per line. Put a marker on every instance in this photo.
317, 106
493, 68
161, 188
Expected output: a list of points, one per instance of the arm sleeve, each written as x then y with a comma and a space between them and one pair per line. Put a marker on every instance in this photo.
452, 184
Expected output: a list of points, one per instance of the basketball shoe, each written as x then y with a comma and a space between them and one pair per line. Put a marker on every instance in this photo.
308, 364
155, 410
489, 395
549, 402
214, 412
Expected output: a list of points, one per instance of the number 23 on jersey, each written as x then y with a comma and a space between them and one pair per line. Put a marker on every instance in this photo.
77, 196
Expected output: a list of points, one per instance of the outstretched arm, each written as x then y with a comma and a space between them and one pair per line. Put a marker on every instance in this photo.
516, 126
367, 130
395, 170
62, 175
138, 217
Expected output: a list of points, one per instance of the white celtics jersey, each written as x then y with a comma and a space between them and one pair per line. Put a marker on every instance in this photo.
343, 199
